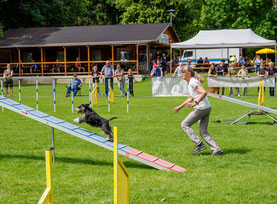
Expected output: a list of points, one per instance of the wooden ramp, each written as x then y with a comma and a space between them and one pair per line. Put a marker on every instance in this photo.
88, 136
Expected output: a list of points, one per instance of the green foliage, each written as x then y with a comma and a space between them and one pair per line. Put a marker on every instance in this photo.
260, 16
143, 11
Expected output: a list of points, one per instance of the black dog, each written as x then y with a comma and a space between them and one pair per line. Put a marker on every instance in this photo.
93, 119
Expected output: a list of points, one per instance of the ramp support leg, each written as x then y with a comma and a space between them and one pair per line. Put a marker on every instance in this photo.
53, 144
275, 120
242, 116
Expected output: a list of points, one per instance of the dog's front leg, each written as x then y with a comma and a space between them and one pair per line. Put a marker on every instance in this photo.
79, 120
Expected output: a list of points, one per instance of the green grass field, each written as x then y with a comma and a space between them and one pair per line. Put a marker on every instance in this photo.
83, 172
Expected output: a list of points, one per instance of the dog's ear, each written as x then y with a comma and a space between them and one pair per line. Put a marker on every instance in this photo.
86, 105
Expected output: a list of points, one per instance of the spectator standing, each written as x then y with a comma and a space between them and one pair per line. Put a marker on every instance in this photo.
151, 61
178, 70
232, 73
220, 71
8, 73
243, 73
212, 73
156, 71
161, 67
202, 108
164, 61
119, 73
76, 84
189, 62
157, 56
95, 74
56, 66
108, 71
272, 72
257, 63
262, 72
131, 79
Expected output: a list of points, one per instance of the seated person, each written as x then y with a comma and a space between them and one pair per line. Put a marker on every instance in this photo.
200, 62
56, 67
16, 69
76, 83
77, 67
206, 62
156, 71
34, 68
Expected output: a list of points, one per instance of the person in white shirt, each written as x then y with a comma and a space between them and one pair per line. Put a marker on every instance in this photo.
178, 70
199, 101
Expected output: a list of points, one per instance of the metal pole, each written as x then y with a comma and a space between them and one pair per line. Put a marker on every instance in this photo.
115, 160
54, 93
109, 108
19, 91
72, 95
2, 93
89, 84
53, 144
128, 93
37, 92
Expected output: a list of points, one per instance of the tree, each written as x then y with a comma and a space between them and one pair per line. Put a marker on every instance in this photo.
259, 15
142, 11
30, 13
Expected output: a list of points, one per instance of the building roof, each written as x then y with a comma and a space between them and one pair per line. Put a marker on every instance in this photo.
85, 35
224, 39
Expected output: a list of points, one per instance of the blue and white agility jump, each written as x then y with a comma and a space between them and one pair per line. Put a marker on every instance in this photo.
88, 136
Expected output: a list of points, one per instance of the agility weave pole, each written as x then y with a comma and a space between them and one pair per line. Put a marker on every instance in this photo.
47, 196
91, 137
121, 175
264, 109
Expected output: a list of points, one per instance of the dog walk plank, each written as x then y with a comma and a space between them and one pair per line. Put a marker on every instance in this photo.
39, 114
88, 136
53, 119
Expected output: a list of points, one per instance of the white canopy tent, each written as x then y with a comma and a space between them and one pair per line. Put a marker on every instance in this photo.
227, 38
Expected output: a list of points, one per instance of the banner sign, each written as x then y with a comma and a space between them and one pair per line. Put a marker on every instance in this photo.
164, 38
169, 86
224, 81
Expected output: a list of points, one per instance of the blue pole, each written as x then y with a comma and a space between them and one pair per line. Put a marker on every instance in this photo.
37, 92
54, 94
19, 91
72, 95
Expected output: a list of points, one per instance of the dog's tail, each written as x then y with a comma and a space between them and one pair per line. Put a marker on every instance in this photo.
112, 118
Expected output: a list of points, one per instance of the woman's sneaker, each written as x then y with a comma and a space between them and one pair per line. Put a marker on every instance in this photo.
219, 152
198, 148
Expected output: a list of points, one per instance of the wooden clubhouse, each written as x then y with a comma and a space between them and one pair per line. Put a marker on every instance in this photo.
128, 45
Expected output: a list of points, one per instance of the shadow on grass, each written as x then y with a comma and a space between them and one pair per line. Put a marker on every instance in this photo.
244, 122
228, 151
128, 164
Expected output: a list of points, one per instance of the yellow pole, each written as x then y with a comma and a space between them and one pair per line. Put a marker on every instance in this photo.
259, 96
263, 94
115, 164
49, 175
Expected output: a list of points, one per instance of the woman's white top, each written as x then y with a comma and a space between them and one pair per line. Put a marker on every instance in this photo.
204, 104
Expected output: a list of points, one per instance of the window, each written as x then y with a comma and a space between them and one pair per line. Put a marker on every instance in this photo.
188, 54
27, 57
61, 56
97, 55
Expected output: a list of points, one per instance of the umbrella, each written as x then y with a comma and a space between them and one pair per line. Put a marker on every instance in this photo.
265, 51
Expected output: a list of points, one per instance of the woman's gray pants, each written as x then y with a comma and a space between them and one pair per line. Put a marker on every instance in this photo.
203, 117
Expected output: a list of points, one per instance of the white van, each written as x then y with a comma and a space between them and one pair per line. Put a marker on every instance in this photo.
213, 55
